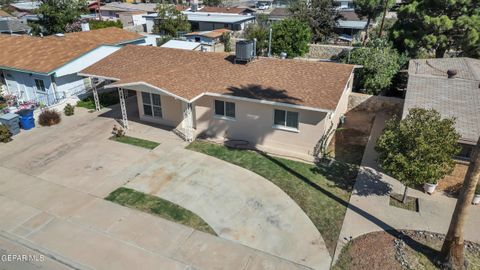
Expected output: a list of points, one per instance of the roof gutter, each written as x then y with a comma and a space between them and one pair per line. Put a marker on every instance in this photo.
28, 71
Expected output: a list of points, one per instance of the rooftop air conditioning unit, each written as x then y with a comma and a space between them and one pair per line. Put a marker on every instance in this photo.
245, 50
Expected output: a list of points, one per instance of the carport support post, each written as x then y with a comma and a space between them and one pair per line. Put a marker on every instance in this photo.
95, 95
121, 95
187, 115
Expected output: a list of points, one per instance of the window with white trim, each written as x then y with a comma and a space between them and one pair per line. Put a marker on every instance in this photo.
283, 118
40, 85
152, 105
224, 109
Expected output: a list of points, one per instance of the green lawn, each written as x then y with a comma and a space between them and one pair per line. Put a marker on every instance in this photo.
105, 99
160, 207
135, 141
322, 192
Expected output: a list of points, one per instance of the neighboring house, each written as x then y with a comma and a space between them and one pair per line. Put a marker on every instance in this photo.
183, 45
228, 10
209, 21
112, 11
133, 20
344, 4
11, 25
456, 95
279, 14
209, 39
350, 27
45, 69
283, 107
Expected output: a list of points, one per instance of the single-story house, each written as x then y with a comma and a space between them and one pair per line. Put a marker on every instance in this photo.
452, 87
283, 107
112, 11
350, 27
209, 21
208, 38
182, 44
44, 69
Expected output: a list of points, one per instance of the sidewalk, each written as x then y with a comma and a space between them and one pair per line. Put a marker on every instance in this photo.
369, 208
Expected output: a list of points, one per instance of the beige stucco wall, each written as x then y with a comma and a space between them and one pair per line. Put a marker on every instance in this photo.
171, 108
254, 123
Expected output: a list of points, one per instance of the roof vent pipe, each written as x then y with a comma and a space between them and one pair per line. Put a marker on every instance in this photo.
451, 73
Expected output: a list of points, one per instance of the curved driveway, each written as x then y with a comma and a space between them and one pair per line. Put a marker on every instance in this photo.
238, 204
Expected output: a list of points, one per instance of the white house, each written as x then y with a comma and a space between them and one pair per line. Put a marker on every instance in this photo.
208, 21
44, 69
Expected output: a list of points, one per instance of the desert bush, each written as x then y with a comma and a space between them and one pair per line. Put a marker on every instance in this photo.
5, 134
69, 109
49, 117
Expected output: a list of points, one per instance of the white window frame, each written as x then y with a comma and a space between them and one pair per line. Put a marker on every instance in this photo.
152, 105
285, 127
44, 90
224, 116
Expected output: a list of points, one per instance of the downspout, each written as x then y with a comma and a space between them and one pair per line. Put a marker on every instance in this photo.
54, 83
6, 83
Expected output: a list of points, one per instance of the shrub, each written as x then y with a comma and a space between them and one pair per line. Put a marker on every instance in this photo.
5, 134
477, 190
69, 109
49, 117
118, 132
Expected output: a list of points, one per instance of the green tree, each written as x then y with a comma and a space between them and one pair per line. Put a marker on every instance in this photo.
56, 15
170, 21
291, 36
320, 15
418, 149
256, 30
380, 63
104, 24
371, 9
212, 3
227, 42
437, 26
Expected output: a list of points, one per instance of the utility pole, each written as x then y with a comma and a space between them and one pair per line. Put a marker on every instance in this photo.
98, 10
383, 18
270, 43
453, 246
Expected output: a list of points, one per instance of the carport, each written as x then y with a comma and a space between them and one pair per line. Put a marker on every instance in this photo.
155, 105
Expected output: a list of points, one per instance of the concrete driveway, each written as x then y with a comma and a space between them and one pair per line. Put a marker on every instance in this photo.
238, 204
52, 184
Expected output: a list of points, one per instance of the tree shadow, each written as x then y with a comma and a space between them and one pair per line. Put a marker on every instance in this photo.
367, 189
259, 92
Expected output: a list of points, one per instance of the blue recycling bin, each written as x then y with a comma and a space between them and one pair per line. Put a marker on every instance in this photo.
26, 119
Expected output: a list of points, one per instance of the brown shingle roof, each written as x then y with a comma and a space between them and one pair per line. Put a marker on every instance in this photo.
190, 73
45, 54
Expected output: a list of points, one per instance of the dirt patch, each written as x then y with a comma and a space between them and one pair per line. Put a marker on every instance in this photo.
399, 250
349, 141
452, 183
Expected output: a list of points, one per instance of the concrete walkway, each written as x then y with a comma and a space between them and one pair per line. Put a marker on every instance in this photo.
238, 204
52, 184
369, 208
